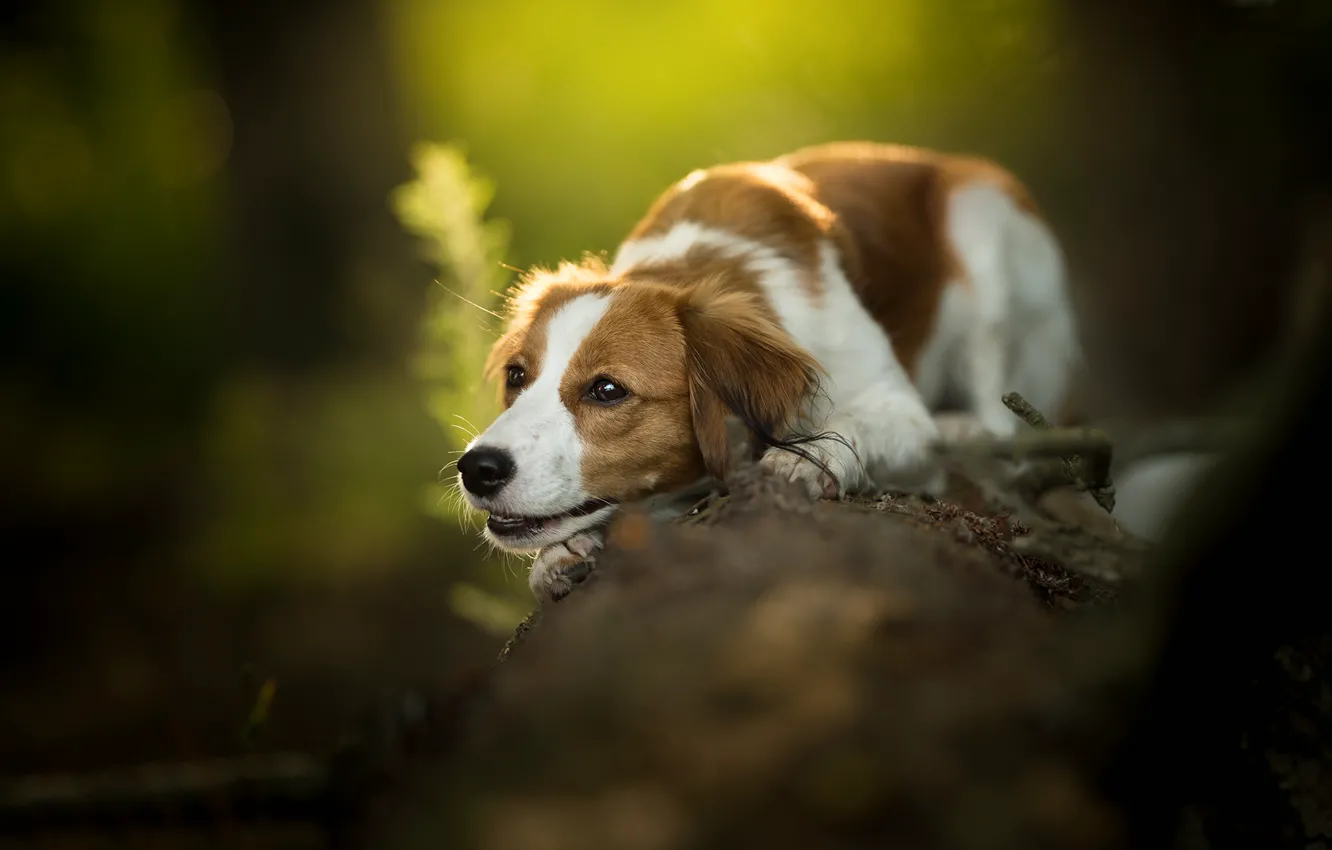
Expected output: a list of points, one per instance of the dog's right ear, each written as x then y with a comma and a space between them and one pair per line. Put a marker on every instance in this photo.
740, 361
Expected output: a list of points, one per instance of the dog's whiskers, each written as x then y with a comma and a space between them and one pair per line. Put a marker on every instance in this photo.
506, 564
468, 301
471, 435
474, 433
463, 510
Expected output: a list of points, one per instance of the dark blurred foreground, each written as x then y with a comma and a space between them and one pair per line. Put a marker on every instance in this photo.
214, 453
213, 449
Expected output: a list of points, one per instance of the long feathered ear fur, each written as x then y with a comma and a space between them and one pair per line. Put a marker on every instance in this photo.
741, 361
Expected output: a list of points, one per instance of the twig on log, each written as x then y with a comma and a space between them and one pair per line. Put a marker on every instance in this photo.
519, 634
1088, 469
328, 793
1086, 452
1024, 411
277, 786
1057, 442
1210, 436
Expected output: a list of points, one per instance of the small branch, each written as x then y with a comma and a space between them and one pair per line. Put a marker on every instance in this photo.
325, 792
1020, 406
1089, 469
519, 634
1089, 466
1086, 452
282, 786
1055, 442
1206, 436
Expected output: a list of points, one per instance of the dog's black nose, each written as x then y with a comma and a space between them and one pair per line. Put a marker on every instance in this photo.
485, 470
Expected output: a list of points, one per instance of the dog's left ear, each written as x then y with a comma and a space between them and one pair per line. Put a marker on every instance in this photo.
741, 361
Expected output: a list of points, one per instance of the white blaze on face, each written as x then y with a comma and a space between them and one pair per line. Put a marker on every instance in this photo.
538, 429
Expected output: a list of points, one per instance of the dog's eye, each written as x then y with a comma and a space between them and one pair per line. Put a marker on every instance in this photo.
516, 377
606, 390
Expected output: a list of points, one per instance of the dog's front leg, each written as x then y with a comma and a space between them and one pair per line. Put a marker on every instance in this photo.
559, 566
883, 439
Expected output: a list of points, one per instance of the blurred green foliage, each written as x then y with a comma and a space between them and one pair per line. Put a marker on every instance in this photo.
583, 110
445, 206
108, 160
148, 373
115, 154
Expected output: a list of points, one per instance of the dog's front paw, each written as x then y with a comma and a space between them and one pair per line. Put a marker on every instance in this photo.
560, 566
826, 473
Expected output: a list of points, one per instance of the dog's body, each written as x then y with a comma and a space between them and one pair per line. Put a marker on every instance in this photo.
849, 289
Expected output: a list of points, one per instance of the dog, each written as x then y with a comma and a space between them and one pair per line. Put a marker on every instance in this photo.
834, 299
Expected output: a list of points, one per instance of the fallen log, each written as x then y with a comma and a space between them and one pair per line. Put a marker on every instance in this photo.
779, 672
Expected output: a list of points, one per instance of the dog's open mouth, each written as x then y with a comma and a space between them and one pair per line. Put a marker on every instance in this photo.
523, 526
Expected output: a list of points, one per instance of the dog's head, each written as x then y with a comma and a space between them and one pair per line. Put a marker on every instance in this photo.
616, 390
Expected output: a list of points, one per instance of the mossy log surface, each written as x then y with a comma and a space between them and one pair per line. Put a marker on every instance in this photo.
992, 669
773, 671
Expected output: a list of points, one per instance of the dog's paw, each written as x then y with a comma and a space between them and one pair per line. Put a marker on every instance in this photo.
830, 478
560, 566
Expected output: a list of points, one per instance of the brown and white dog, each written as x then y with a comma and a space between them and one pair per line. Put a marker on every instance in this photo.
846, 289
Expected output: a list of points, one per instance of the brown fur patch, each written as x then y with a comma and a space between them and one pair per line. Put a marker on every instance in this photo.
763, 202
700, 263
646, 441
884, 207
893, 202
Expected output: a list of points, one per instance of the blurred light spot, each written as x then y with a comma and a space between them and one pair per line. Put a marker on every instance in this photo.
48, 168
78, 464
639, 817
486, 611
842, 783
193, 138
136, 25
632, 531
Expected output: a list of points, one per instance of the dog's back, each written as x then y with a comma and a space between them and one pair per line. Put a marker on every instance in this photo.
949, 255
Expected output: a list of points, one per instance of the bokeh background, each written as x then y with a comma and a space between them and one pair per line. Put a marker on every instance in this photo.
248, 251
